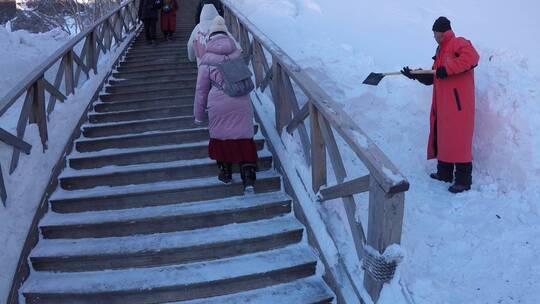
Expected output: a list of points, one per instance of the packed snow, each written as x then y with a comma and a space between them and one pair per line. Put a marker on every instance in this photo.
476, 247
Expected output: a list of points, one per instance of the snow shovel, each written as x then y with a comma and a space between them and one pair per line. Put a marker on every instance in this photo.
375, 78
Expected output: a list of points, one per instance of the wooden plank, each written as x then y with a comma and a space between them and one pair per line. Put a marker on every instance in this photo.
38, 108
53, 90
318, 151
290, 96
91, 61
298, 118
21, 127
69, 77
80, 64
348, 188
3, 191
57, 83
357, 231
99, 41
14, 141
117, 38
267, 79
258, 69
282, 104
385, 225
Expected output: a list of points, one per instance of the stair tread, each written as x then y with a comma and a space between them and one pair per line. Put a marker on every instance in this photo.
130, 122
169, 276
73, 173
182, 209
128, 190
128, 136
163, 241
309, 290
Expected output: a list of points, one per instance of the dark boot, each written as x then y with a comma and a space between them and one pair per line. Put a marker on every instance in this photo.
463, 178
247, 172
445, 172
225, 172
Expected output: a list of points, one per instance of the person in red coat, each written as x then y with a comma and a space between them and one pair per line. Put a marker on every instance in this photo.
452, 107
168, 18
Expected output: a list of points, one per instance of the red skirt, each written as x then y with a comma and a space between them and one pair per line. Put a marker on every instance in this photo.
233, 150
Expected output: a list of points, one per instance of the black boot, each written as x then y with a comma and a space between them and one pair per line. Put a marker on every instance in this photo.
247, 172
225, 172
463, 178
445, 172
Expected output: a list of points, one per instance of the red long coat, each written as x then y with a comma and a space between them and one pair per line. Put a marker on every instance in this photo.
168, 20
452, 107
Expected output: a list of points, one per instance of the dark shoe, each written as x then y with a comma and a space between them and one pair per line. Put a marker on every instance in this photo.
446, 179
225, 172
457, 188
247, 172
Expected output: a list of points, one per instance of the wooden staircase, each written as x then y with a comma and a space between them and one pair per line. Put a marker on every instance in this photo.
140, 217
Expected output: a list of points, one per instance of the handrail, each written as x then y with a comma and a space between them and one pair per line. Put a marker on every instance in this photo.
385, 183
98, 39
11, 97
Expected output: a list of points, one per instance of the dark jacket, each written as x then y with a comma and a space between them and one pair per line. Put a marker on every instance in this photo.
217, 4
149, 9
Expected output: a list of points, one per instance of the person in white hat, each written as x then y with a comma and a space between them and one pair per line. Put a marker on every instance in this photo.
197, 40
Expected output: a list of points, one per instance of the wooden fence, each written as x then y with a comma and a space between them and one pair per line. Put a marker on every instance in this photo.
40, 95
385, 183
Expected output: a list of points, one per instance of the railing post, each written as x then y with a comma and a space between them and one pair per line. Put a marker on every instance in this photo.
385, 225
69, 78
38, 111
318, 150
91, 55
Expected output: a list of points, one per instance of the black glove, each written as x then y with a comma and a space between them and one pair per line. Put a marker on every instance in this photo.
441, 73
406, 71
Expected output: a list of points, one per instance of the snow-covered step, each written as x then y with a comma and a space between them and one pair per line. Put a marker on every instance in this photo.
142, 113
165, 49
125, 157
152, 83
149, 87
165, 71
156, 93
173, 283
148, 173
156, 67
67, 255
134, 196
148, 139
176, 57
311, 290
138, 126
185, 77
167, 218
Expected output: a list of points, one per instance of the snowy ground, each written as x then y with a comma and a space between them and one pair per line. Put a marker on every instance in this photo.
477, 247
20, 53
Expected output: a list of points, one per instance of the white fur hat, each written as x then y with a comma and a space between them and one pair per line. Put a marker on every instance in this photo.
218, 25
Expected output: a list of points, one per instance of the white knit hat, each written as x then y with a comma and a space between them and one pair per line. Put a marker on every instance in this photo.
218, 25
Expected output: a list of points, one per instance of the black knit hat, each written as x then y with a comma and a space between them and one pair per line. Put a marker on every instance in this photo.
442, 24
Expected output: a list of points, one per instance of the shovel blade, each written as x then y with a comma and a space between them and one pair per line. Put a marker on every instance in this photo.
373, 79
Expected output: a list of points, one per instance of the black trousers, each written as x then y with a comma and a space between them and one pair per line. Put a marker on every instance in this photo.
150, 29
463, 172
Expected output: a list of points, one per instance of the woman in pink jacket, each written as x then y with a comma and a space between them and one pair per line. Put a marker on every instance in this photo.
230, 119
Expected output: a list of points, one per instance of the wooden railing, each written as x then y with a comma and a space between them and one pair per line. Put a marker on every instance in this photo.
385, 183
40, 95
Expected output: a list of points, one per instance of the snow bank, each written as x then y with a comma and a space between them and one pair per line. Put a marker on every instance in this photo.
477, 247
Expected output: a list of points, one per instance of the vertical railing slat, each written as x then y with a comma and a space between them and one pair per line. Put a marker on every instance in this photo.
318, 151
38, 110
21, 126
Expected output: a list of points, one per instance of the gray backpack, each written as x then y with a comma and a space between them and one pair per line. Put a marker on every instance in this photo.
236, 77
